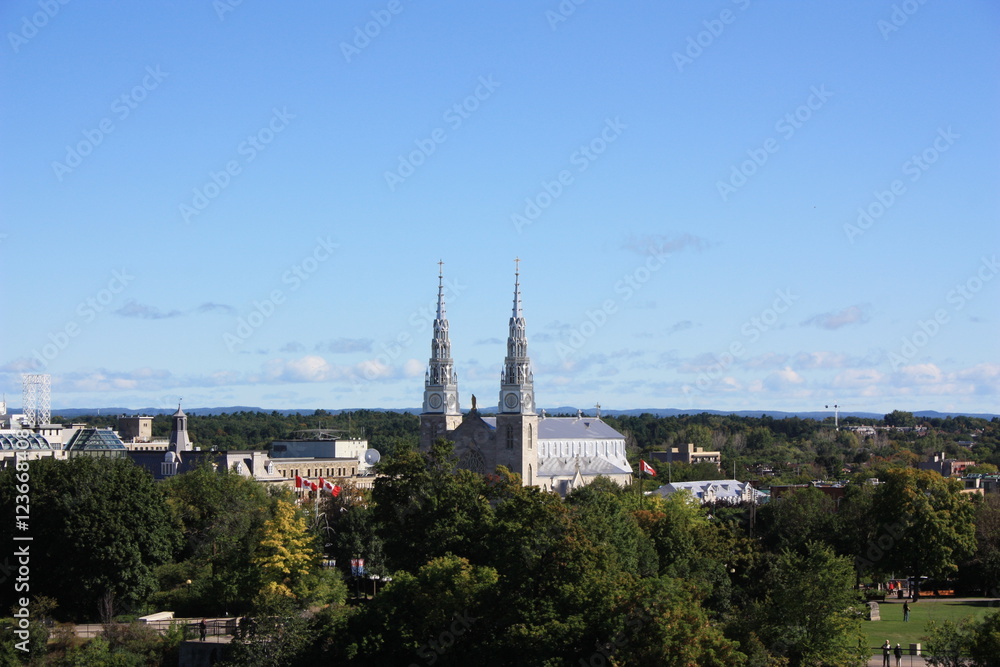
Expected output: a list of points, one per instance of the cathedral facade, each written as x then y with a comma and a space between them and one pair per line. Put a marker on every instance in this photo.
555, 453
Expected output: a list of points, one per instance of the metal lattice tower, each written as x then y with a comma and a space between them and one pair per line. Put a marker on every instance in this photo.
37, 398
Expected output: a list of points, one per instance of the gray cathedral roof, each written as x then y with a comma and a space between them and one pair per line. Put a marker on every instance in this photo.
570, 428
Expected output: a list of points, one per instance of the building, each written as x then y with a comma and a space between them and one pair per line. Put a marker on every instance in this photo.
945, 466
135, 429
689, 454
294, 458
556, 453
712, 490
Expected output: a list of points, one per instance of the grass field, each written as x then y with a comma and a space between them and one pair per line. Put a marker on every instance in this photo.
893, 628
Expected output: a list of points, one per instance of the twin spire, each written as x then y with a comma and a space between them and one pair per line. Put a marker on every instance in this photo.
441, 380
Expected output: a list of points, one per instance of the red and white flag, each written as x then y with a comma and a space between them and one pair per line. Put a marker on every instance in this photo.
298, 483
646, 468
313, 485
335, 490
322, 484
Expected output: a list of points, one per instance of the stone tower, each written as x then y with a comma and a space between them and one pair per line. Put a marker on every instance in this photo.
179, 440
517, 423
441, 412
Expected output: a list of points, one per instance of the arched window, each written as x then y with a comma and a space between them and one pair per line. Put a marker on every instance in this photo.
510, 437
531, 433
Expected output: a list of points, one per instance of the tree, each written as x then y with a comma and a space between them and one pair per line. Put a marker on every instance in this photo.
794, 519
222, 516
105, 527
288, 557
809, 613
425, 507
900, 418
926, 524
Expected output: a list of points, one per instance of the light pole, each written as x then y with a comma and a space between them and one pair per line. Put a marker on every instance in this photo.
836, 416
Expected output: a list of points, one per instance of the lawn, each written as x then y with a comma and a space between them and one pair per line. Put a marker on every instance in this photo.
893, 628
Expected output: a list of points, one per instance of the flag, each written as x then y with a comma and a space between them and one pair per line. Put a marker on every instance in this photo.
298, 483
646, 468
313, 485
335, 490
327, 485
322, 484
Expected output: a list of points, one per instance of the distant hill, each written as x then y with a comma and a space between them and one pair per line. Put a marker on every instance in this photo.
658, 412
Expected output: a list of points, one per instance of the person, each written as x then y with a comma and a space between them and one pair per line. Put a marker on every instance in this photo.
906, 612
203, 629
898, 653
886, 652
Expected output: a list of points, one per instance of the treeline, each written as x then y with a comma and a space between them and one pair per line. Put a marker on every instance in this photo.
483, 570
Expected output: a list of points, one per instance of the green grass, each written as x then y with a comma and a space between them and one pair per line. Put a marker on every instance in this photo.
893, 628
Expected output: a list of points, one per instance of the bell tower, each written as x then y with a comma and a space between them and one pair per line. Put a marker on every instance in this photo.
441, 412
517, 423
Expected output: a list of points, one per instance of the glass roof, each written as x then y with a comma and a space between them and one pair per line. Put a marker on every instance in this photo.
15, 441
94, 439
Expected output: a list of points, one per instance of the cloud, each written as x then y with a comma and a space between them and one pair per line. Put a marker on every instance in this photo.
782, 380
498, 341
133, 308
840, 318
662, 244
21, 365
345, 345
209, 307
683, 325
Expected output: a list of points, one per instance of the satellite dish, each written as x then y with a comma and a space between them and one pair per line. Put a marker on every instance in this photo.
372, 457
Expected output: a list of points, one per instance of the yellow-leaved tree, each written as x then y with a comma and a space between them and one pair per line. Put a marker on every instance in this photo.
285, 554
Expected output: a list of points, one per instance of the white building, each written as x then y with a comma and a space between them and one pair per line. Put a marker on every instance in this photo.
709, 491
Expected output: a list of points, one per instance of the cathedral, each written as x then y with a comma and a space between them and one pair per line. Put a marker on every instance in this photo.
555, 453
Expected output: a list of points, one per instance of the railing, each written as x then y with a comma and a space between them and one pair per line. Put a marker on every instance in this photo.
214, 627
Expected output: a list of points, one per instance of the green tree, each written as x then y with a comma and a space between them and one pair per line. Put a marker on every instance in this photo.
808, 613
222, 516
900, 418
105, 527
425, 507
926, 524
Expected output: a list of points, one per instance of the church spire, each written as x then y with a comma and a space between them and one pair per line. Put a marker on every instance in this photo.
441, 381
516, 382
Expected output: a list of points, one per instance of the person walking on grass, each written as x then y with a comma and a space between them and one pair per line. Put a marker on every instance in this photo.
906, 612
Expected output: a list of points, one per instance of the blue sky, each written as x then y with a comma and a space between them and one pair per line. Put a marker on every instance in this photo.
726, 205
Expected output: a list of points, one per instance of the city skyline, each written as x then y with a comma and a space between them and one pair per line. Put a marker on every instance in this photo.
735, 207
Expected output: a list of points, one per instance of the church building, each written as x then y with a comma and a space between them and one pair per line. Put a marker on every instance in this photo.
555, 453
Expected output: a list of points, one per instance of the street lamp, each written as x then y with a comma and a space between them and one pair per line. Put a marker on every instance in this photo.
375, 579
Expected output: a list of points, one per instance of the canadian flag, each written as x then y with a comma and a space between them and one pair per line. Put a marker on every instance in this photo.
335, 490
313, 485
298, 483
646, 468
322, 484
